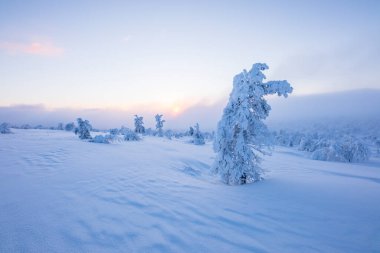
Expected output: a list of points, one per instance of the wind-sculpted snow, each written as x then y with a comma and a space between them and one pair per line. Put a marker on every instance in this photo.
62, 194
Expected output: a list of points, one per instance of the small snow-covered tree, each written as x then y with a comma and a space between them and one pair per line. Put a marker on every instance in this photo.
307, 143
5, 128
347, 150
288, 139
241, 134
159, 124
106, 139
354, 150
129, 135
114, 131
169, 134
84, 128
191, 131
60, 126
70, 126
330, 153
149, 131
139, 125
25, 126
377, 143
198, 138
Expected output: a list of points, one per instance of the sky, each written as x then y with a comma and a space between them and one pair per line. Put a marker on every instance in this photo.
147, 57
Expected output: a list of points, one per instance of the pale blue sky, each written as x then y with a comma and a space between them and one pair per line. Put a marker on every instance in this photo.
169, 55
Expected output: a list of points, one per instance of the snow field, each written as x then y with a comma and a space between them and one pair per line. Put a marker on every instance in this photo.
61, 194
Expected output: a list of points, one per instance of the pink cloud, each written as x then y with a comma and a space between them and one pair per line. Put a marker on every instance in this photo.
34, 48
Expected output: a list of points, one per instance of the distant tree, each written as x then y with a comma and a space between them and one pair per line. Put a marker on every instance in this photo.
241, 134
198, 138
191, 131
139, 125
84, 129
347, 150
114, 131
106, 139
159, 124
329, 153
129, 135
377, 143
5, 128
354, 150
169, 134
180, 134
25, 126
70, 126
288, 139
308, 143
60, 126
149, 131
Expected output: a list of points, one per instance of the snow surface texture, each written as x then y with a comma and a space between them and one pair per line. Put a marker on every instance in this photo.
62, 194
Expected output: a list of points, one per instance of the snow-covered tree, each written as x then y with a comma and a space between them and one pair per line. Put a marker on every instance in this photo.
25, 126
241, 134
354, 150
159, 124
308, 143
169, 134
377, 143
139, 125
70, 126
106, 139
129, 135
114, 131
347, 150
288, 139
149, 131
5, 128
84, 129
191, 131
60, 126
198, 138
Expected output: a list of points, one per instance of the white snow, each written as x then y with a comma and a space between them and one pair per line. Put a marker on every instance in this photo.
61, 194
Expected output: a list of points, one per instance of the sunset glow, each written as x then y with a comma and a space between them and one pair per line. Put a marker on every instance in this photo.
176, 109
190, 126
170, 56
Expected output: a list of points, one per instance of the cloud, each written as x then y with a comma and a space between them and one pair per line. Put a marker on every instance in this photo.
206, 115
355, 105
341, 67
32, 48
